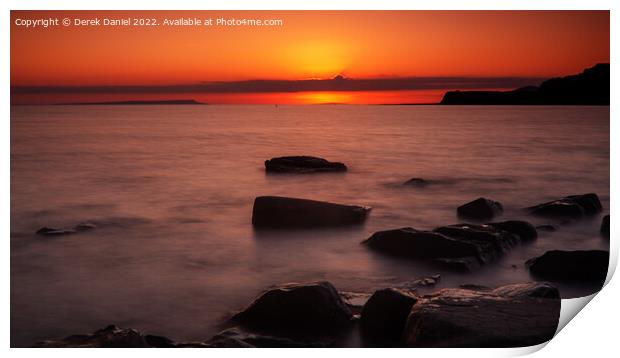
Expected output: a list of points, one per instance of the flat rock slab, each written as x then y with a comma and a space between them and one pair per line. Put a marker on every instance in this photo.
589, 266
569, 207
283, 212
302, 165
509, 316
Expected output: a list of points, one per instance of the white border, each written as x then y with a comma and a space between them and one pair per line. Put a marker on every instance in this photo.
593, 329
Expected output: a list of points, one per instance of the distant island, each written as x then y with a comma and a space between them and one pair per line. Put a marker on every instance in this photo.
591, 87
117, 103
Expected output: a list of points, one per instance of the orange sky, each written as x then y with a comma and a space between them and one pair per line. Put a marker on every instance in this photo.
310, 44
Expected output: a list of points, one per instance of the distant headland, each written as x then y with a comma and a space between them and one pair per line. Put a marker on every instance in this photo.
117, 103
590, 87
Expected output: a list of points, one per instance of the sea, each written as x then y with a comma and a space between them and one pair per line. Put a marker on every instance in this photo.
171, 187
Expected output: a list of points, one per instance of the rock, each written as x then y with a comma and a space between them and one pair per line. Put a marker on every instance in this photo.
523, 229
461, 247
385, 314
474, 287
605, 226
297, 310
480, 209
416, 182
302, 165
504, 317
109, 337
238, 338
283, 212
48, 231
84, 226
412, 243
569, 207
571, 266
547, 227
422, 282
530, 289
490, 241
159, 341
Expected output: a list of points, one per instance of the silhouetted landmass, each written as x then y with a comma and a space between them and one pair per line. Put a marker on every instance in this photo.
591, 87
117, 103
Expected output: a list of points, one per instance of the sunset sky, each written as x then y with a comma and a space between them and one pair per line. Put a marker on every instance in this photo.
429, 52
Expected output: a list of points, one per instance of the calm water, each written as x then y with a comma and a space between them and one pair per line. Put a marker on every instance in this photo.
171, 189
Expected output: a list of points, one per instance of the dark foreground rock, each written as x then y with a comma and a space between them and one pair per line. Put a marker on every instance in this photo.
297, 310
588, 266
569, 207
605, 226
509, 316
480, 209
459, 247
302, 165
283, 212
385, 314
109, 337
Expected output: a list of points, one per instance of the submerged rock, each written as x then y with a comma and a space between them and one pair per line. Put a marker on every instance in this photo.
416, 182
109, 337
283, 212
302, 165
571, 266
459, 247
297, 310
49, 231
239, 338
385, 314
547, 227
480, 209
569, 207
85, 226
605, 226
509, 316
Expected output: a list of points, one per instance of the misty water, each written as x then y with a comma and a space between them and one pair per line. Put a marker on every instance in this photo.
171, 190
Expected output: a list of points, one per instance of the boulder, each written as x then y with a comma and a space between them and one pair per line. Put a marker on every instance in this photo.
605, 226
504, 317
571, 266
569, 207
412, 243
523, 229
480, 209
297, 310
283, 212
462, 247
385, 314
302, 165
49, 231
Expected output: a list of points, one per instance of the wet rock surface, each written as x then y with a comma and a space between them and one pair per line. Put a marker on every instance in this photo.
605, 226
297, 310
512, 316
460, 247
385, 314
283, 212
587, 266
302, 165
480, 209
109, 337
569, 207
